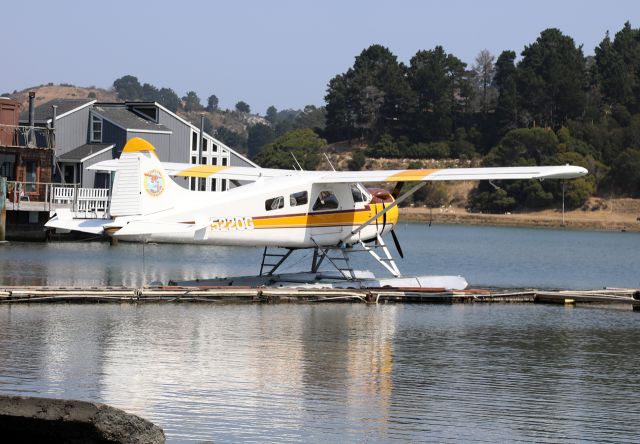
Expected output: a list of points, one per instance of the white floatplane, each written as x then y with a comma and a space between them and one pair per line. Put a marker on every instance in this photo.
330, 212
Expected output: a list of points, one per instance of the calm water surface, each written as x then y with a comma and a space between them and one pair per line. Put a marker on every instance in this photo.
486, 256
338, 372
341, 372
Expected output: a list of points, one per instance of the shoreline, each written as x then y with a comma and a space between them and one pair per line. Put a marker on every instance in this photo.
574, 220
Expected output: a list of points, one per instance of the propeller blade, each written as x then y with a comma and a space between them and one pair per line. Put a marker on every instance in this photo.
397, 242
396, 190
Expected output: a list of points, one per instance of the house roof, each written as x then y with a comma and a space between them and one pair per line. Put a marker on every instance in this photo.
44, 112
84, 152
128, 120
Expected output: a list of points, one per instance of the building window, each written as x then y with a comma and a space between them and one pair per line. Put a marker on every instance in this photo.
194, 141
102, 180
194, 160
96, 129
214, 161
223, 185
202, 184
214, 147
225, 161
204, 144
193, 183
31, 167
203, 161
213, 185
69, 174
8, 166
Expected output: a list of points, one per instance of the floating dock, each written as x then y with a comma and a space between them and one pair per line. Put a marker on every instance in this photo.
239, 294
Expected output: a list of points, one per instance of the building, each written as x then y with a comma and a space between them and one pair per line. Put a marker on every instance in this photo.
26, 153
88, 132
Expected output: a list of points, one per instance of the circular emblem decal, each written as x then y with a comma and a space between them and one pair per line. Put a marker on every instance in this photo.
154, 182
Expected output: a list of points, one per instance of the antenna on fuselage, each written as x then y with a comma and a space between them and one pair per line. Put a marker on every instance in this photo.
294, 158
329, 160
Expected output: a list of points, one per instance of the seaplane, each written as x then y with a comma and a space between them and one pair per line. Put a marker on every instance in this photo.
328, 212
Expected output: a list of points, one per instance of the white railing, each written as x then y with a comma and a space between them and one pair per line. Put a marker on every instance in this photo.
40, 196
92, 202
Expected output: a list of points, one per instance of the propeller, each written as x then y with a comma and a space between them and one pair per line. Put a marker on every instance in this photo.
397, 242
395, 193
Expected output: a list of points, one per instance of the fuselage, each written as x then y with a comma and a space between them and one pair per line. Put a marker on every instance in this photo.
293, 214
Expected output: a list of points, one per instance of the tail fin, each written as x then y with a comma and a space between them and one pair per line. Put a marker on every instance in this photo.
141, 185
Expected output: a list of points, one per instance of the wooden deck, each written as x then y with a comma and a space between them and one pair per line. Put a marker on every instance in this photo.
17, 295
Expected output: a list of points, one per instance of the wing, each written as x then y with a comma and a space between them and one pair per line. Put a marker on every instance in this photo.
251, 174
497, 173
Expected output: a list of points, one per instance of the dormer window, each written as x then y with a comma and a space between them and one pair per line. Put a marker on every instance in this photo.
96, 129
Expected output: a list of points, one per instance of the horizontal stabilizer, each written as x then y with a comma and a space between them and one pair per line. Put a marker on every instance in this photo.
149, 228
93, 226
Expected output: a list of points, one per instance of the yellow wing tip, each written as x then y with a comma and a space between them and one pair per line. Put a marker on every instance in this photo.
137, 144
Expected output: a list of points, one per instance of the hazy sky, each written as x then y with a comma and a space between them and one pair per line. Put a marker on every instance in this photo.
269, 52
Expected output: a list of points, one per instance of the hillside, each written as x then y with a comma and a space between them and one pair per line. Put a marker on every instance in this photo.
45, 93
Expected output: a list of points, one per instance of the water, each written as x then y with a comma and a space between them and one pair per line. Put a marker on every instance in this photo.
337, 372
486, 256
340, 372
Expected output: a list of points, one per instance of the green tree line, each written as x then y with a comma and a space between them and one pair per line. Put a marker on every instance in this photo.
553, 105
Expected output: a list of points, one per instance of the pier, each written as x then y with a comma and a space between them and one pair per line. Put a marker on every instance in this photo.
238, 294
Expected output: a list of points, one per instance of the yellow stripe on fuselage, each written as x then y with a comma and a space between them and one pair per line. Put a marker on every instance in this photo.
342, 218
410, 175
201, 171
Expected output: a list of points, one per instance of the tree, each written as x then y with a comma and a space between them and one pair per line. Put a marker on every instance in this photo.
484, 71
149, 92
230, 137
504, 80
192, 102
272, 115
552, 79
357, 161
128, 88
370, 98
169, 99
212, 103
243, 107
442, 88
258, 136
625, 172
305, 145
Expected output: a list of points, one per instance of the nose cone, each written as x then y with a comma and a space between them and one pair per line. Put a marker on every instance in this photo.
583, 171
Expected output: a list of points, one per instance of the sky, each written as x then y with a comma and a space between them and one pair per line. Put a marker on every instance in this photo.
270, 52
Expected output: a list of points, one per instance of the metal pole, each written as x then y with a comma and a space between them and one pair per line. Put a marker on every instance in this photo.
200, 146
3, 207
563, 188
32, 113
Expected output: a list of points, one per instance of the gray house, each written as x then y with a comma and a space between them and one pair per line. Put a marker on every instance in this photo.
88, 132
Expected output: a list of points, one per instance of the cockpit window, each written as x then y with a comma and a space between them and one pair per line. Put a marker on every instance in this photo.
358, 193
300, 198
274, 204
326, 201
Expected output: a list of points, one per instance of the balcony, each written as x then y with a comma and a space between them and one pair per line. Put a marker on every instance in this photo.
26, 137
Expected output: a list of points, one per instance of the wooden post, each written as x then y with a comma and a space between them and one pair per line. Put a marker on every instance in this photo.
3, 207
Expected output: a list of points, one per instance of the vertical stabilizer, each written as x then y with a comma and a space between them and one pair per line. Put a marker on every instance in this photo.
141, 185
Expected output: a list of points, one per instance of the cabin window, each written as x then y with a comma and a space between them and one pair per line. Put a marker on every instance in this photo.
274, 204
300, 198
96, 129
326, 201
358, 194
